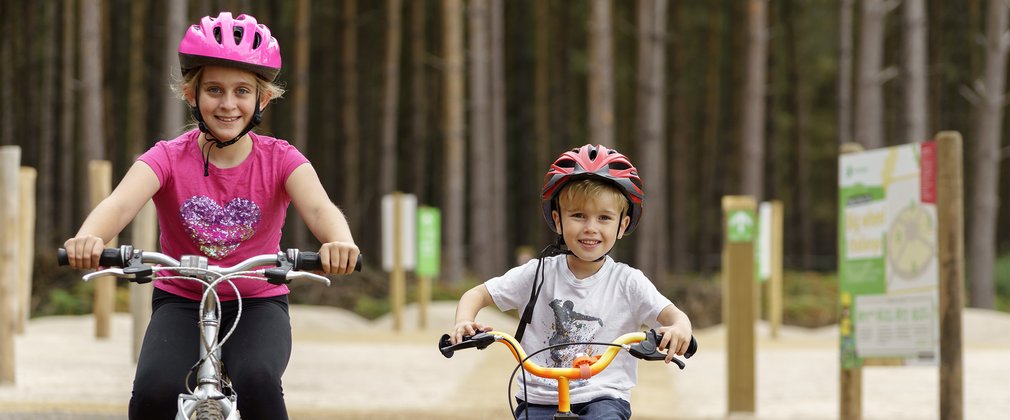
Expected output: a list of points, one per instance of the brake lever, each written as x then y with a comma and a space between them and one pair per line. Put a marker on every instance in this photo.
115, 272
291, 275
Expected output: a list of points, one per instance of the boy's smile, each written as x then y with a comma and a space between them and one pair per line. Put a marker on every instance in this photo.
590, 230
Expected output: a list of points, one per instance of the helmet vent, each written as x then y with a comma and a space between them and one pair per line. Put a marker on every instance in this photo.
565, 163
619, 165
256, 40
237, 33
592, 154
217, 34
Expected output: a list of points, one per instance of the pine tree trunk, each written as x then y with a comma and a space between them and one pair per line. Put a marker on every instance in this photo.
300, 105
480, 141
419, 104
66, 187
756, 68
173, 116
601, 74
45, 236
499, 144
869, 122
986, 160
680, 160
709, 190
916, 91
352, 138
454, 216
650, 253
845, 71
390, 97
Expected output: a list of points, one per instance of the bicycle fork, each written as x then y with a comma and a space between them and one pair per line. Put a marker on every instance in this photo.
209, 377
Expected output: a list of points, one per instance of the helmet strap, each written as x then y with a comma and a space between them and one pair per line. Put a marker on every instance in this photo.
257, 117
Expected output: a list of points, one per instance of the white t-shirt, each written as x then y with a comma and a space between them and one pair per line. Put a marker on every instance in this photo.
617, 300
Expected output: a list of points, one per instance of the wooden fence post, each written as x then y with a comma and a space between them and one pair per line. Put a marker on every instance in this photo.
145, 238
100, 178
10, 161
26, 253
739, 287
950, 250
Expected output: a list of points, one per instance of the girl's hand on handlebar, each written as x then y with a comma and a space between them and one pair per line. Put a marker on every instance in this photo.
676, 339
338, 257
84, 251
468, 328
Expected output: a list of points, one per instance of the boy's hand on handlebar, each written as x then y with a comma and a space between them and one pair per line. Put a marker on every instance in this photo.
84, 252
676, 339
338, 257
467, 328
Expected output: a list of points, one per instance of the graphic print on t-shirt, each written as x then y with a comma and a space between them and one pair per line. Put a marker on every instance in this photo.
571, 326
219, 230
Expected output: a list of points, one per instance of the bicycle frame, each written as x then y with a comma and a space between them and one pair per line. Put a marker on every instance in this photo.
640, 344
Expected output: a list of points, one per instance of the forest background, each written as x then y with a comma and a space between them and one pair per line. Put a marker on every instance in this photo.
465, 104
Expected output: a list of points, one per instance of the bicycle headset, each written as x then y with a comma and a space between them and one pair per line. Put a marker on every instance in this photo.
586, 162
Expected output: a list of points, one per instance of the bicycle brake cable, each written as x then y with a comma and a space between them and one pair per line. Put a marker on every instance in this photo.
523, 361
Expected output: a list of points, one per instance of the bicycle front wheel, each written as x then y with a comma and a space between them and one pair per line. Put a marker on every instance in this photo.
208, 410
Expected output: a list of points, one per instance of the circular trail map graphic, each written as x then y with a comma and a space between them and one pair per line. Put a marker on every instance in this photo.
910, 246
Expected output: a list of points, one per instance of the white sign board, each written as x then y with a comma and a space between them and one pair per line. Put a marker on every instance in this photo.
407, 240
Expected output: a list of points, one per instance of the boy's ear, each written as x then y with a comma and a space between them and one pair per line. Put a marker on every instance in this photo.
625, 221
557, 220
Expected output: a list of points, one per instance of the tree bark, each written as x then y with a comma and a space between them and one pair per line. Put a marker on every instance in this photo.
652, 166
845, 71
680, 160
68, 117
419, 101
752, 180
916, 91
601, 74
300, 103
870, 99
45, 236
986, 160
454, 216
499, 144
480, 142
352, 137
390, 97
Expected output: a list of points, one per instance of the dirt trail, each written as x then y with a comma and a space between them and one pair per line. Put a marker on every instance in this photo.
344, 367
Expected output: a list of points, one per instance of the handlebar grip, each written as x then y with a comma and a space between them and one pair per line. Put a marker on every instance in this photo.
111, 257
691, 348
308, 261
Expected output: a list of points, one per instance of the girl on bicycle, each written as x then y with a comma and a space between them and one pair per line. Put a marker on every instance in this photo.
592, 196
221, 190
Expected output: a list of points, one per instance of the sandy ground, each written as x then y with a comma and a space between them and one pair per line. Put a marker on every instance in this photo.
344, 367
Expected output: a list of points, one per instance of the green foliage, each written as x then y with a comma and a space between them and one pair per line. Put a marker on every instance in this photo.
1003, 283
809, 299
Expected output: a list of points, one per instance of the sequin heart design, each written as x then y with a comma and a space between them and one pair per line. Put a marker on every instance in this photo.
219, 230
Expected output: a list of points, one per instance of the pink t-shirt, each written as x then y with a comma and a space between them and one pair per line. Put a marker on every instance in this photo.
229, 216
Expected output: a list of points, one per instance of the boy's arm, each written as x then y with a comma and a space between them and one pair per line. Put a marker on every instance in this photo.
469, 305
676, 330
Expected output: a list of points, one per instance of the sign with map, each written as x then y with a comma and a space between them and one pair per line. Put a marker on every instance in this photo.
887, 255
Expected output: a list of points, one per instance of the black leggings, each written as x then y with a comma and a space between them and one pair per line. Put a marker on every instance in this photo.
255, 356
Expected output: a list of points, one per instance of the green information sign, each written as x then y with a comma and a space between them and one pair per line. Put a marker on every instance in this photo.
740, 226
429, 238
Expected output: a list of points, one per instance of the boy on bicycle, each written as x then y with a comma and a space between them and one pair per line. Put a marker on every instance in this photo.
592, 196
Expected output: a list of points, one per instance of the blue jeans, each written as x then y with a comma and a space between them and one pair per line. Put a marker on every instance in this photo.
605, 408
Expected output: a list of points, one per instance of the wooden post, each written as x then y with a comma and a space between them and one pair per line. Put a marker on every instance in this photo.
100, 178
10, 160
950, 244
775, 280
738, 301
850, 380
26, 251
423, 298
145, 238
398, 277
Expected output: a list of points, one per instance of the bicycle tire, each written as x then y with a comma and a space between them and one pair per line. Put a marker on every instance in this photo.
208, 410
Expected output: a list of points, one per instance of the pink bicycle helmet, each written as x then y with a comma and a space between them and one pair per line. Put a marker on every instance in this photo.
597, 162
238, 42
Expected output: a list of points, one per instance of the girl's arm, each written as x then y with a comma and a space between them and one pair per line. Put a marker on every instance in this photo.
111, 215
338, 254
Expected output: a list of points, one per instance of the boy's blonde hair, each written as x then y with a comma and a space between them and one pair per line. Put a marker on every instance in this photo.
576, 193
192, 79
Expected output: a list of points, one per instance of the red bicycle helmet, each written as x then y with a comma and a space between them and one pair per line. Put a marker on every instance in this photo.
238, 42
597, 162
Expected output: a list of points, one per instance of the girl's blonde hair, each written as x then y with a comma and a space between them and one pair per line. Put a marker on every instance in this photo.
576, 193
192, 79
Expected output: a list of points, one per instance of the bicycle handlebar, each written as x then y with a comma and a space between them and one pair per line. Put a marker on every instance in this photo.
127, 262
643, 345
